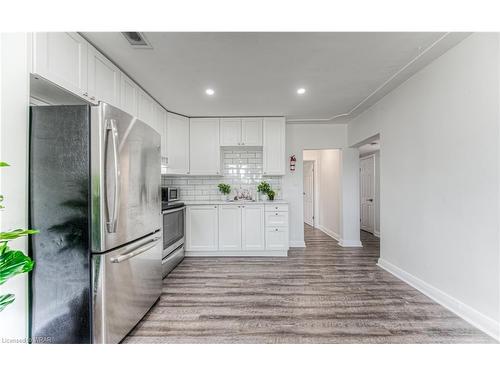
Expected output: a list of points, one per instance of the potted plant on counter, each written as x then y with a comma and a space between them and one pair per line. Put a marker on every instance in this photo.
225, 189
266, 192
271, 194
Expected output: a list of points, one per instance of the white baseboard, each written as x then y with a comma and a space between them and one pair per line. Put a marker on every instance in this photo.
297, 244
376, 233
350, 243
236, 253
469, 314
329, 232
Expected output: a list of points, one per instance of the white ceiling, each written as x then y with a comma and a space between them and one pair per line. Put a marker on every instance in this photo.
256, 74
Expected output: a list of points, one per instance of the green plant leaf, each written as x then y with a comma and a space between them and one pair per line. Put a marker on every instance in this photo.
16, 233
12, 263
4, 164
5, 300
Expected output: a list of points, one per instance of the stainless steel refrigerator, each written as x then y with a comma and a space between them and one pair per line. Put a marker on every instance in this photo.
95, 197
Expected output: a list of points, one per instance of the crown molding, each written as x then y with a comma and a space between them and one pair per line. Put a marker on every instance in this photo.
425, 57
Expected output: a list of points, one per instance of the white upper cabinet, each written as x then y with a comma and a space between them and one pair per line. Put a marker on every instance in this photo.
230, 227
177, 146
204, 146
240, 131
103, 78
274, 146
253, 236
62, 58
161, 127
129, 93
251, 132
230, 131
145, 108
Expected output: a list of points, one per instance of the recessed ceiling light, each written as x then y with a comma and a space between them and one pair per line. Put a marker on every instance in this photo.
301, 91
209, 92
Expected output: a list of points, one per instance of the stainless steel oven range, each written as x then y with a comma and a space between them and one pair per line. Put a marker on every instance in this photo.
173, 235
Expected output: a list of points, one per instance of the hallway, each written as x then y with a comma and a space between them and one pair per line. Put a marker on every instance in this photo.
321, 294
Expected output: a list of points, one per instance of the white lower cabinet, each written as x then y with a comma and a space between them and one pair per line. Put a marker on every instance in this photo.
252, 234
230, 227
234, 230
202, 229
276, 238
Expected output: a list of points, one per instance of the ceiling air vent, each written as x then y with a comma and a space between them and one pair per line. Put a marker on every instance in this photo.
136, 39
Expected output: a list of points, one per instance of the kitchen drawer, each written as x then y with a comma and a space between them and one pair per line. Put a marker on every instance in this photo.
277, 219
276, 238
276, 207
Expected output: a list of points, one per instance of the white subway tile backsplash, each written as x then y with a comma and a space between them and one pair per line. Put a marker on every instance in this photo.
241, 169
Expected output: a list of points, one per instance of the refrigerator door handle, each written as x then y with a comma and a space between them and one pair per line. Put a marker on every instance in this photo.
138, 250
111, 223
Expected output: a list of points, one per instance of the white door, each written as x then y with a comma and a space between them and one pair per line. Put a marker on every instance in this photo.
308, 193
230, 131
251, 132
274, 146
103, 79
161, 128
229, 227
202, 228
128, 97
62, 58
253, 236
177, 144
145, 108
367, 193
204, 146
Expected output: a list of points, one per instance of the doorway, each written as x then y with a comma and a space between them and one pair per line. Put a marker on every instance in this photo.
369, 185
322, 191
367, 193
308, 193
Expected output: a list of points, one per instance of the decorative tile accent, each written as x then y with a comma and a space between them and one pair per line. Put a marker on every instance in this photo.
241, 168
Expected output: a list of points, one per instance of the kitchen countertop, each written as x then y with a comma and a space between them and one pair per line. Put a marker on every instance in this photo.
276, 201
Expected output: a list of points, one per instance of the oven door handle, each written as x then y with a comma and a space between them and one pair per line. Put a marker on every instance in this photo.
136, 251
174, 210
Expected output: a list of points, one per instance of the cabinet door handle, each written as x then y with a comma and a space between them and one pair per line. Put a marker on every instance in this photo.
276, 214
276, 229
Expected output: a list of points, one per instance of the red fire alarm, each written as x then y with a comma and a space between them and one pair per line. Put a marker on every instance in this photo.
292, 162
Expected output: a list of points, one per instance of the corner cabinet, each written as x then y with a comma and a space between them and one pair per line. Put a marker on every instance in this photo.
202, 230
274, 146
204, 147
177, 145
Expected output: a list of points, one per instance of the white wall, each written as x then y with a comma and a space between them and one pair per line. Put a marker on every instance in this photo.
328, 187
439, 135
301, 137
14, 101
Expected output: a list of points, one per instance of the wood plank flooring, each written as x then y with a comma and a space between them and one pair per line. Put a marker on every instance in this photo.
321, 294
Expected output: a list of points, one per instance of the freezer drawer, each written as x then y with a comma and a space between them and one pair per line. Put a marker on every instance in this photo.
172, 260
126, 283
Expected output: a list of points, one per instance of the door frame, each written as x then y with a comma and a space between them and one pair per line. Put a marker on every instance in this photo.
313, 162
370, 156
